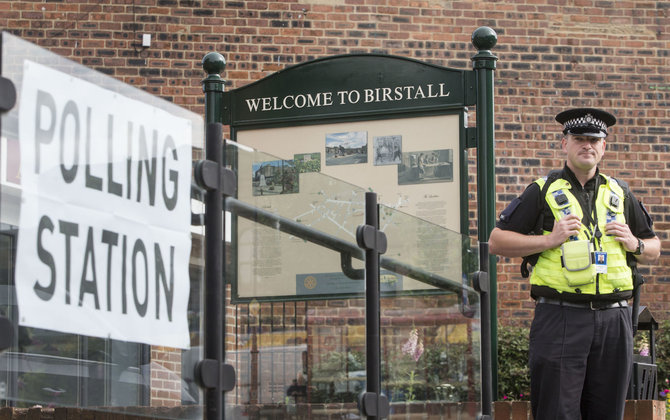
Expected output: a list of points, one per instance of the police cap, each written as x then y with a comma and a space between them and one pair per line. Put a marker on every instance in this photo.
586, 121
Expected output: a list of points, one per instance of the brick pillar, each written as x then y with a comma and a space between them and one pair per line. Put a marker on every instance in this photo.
165, 377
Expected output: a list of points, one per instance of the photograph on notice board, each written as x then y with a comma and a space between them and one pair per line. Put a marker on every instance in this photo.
274, 177
427, 166
387, 150
307, 162
347, 148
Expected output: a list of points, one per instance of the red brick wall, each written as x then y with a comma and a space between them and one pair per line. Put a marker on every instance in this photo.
518, 410
165, 376
553, 54
634, 410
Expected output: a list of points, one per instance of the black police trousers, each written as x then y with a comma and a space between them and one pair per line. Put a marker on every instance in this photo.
580, 362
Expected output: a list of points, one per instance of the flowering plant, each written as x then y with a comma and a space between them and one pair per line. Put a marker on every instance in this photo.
426, 364
665, 394
642, 344
413, 347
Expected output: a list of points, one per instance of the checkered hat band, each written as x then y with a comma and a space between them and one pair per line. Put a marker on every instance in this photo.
585, 121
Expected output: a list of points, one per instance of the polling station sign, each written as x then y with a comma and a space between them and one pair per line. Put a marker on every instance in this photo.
104, 240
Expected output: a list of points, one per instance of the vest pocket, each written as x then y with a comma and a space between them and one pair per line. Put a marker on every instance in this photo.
620, 279
580, 278
577, 268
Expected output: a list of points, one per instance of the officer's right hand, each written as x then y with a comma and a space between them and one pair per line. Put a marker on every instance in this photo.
564, 228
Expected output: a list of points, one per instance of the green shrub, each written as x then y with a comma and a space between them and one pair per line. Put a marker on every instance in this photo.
662, 349
513, 372
662, 352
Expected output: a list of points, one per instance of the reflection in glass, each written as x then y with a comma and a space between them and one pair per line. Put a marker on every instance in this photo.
296, 314
297, 319
54, 369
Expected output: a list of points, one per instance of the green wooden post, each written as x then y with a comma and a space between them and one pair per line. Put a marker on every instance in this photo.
484, 63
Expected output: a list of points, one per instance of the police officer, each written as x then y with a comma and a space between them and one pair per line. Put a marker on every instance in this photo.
583, 234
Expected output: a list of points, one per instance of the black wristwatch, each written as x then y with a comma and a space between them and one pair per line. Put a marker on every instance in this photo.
640, 247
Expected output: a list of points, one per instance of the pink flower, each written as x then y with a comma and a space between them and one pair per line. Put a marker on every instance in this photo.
413, 346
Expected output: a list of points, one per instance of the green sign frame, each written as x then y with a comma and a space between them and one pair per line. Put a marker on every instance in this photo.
353, 91
358, 86
362, 87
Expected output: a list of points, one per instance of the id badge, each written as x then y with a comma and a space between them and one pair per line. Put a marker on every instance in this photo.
601, 262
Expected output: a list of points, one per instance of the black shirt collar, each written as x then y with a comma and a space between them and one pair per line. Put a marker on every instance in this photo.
572, 178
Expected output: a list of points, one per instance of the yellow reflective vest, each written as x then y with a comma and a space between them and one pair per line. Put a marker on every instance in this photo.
609, 205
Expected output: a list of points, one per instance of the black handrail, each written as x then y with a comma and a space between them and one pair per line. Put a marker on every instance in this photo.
352, 250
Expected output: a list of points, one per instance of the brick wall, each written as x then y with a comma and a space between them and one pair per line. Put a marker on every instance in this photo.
165, 376
553, 54
136, 413
519, 410
634, 410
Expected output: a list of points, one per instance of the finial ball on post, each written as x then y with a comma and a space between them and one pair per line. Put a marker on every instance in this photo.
213, 63
484, 38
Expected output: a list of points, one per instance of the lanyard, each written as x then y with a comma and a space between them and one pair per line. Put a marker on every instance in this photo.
592, 217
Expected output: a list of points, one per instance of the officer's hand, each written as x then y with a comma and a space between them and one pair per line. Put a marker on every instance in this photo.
568, 226
622, 233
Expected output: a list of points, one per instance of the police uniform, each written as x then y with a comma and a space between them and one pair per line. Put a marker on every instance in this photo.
581, 340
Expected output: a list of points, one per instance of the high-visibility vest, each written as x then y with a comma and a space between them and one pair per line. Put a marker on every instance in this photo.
609, 205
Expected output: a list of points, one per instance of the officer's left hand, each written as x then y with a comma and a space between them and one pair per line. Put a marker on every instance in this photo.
622, 233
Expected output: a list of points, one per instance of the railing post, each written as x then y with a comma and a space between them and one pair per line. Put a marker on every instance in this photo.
212, 373
373, 404
484, 63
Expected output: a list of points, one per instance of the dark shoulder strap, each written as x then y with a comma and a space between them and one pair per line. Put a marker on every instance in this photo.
626, 197
627, 203
551, 177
